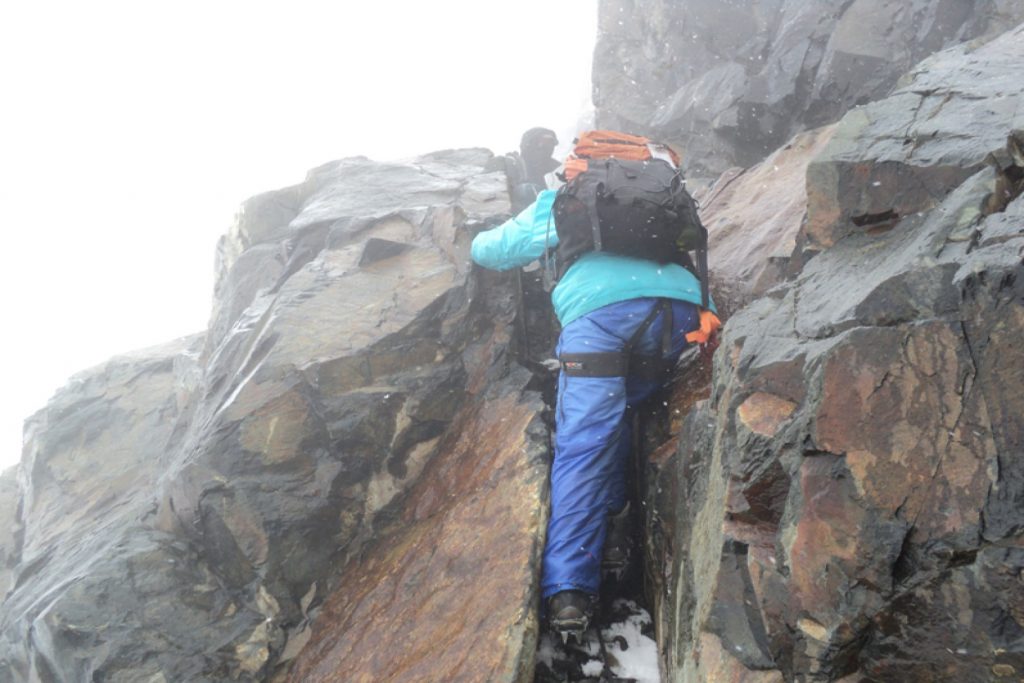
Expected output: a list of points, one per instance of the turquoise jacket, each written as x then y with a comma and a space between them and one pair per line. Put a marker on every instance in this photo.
595, 280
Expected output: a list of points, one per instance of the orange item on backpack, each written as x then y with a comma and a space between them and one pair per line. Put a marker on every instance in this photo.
603, 144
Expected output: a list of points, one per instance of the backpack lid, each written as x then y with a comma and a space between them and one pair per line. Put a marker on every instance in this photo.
604, 144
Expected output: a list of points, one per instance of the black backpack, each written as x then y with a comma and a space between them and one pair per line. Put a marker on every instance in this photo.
633, 208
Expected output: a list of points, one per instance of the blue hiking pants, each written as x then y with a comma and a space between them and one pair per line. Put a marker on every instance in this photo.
592, 440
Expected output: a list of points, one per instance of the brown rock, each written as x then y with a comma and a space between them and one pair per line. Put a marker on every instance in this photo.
830, 548
857, 446
892, 402
458, 571
1003, 670
179, 504
762, 413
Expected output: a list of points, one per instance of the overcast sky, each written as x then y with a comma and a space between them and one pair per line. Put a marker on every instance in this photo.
130, 132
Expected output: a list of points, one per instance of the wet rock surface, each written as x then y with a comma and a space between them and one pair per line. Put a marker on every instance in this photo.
902, 155
93, 458
187, 511
344, 477
846, 505
730, 82
754, 217
438, 588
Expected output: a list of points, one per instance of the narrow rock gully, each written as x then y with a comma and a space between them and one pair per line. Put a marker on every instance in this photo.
626, 627
627, 639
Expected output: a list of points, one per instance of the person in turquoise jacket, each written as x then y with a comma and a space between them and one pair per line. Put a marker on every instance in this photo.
603, 301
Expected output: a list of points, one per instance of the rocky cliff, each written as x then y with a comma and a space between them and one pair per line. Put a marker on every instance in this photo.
847, 505
349, 441
730, 81
344, 477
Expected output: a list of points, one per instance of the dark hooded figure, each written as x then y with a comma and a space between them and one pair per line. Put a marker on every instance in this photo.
527, 168
536, 147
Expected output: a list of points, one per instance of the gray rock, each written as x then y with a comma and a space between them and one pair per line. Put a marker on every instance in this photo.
10, 528
185, 513
846, 505
959, 110
729, 82
280, 232
92, 460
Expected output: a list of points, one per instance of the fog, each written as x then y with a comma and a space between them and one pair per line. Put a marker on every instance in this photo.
132, 131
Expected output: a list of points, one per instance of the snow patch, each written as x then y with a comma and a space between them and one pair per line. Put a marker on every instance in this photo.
631, 654
640, 658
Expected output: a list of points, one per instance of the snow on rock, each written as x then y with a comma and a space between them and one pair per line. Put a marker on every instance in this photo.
639, 659
631, 652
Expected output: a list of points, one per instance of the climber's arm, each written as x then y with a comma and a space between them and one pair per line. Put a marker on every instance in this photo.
519, 240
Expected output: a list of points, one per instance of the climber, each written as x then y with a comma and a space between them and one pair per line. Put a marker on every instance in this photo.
529, 170
625, 321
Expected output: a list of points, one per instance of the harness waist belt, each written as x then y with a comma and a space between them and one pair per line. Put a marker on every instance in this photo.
625, 363
614, 364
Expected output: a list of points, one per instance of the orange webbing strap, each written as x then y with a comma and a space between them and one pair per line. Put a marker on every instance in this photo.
709, 324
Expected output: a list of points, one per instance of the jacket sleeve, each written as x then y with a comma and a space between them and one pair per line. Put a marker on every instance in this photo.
519, 240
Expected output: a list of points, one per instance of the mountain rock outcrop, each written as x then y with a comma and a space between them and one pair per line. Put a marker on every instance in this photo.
849, 503
753, 216
187, 511
345, 477
730, 81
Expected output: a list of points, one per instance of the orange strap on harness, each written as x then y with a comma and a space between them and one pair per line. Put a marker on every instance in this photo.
709, 324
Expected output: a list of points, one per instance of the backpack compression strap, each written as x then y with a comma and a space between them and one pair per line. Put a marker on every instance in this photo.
625, 363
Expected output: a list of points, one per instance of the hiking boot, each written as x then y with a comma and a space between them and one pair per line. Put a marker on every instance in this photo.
617, 545
569, 613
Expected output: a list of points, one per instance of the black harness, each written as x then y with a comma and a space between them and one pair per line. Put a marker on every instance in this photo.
625, 363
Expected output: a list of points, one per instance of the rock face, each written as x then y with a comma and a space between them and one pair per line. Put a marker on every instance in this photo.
903, 155
848, 502
344, 478
351, 414
731, 81
754, 216
442, 581
10, 527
